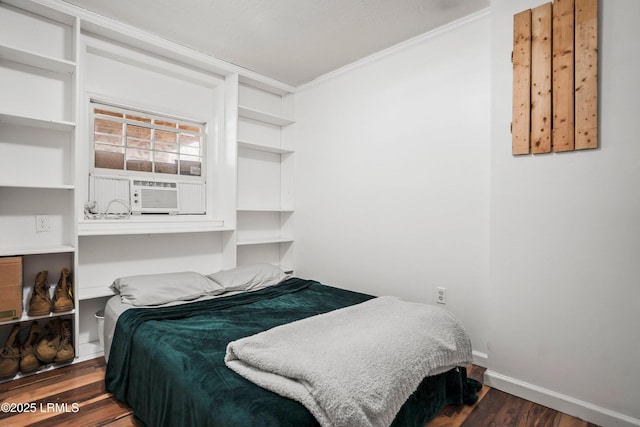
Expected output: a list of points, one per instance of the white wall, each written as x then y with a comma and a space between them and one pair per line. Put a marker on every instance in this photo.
392, 173
564, 302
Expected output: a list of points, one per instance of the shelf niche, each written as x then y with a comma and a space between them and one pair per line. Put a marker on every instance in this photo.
266, 131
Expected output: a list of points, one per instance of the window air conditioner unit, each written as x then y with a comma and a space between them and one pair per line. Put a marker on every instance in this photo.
154, 196
147, 196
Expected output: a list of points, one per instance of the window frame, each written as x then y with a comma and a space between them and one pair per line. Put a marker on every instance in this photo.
152, 116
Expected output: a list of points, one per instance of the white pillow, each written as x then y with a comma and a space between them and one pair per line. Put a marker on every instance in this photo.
249, 277
155, 289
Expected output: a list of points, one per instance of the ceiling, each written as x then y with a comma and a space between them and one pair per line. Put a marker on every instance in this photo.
293, 41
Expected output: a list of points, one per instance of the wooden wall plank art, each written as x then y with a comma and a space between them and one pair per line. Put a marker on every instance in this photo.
555, 77
541, 79
521, 125
563, 73
586, 74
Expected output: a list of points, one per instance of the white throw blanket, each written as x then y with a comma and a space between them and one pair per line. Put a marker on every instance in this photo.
357, 365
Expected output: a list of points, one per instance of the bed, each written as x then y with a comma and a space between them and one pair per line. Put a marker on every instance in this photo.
170, 343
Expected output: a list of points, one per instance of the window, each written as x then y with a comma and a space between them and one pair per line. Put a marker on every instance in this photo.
129, 140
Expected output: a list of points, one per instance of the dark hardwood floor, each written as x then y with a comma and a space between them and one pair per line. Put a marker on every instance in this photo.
74, 395
498, 409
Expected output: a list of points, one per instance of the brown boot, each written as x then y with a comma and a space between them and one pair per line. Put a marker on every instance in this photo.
28, 361
62, 295
65, 350
40, 302
10, 355
47, 348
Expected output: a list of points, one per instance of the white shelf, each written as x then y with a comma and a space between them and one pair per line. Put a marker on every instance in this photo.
61, 66
26, 318
261, 116
261, 147
17, 251
85, 293
43, 368
148, 225
283, 210
37, 123
38, 186
263, 240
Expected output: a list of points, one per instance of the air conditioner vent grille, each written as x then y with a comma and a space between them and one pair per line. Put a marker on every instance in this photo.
158, 199
156, 184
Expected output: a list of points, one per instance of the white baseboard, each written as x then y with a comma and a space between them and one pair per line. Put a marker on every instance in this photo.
480, 359
560, 402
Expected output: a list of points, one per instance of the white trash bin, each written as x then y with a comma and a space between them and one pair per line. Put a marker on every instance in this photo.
100, 318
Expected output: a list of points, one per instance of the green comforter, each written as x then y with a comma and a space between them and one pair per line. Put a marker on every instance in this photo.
168, 363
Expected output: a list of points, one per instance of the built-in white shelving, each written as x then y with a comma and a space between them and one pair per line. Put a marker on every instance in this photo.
87, 291
27, 318
33, 59
39, 250
260, 147
263, 116
264, 240
265, 176
133, 225
273, 209
38, 78
34, 122
38, 186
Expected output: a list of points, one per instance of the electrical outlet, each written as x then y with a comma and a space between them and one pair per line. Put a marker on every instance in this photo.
42, 223
441, 295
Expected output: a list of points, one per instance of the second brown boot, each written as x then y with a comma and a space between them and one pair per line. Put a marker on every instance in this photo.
10, 355
40, 302
28, 360
62, 300
65, 349
47, 348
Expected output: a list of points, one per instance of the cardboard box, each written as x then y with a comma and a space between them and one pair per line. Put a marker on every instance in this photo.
10, 288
